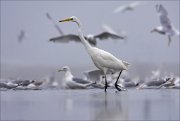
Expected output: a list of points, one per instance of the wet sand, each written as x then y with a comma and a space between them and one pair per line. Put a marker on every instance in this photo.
91, 104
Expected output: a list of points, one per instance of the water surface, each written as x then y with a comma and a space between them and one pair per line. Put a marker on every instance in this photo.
92, 104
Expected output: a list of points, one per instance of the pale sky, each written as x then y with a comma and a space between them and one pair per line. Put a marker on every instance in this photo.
36, 50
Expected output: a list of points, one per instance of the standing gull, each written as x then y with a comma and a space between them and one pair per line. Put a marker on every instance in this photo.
70, 82
103, 60
166, 27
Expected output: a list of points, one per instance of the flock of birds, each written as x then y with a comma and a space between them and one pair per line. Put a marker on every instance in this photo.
110, 67
93, 79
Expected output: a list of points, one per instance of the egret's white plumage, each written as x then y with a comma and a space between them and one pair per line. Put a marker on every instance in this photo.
128, 7
70, 82
102, 59
166, 27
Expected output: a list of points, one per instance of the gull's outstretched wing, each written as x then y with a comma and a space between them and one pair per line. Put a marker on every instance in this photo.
160, 9
93, 75
106, 35
66, 38
69, 38
127, 7
55, 25
164, 20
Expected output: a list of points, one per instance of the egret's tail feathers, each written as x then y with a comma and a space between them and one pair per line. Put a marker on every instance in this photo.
126, 63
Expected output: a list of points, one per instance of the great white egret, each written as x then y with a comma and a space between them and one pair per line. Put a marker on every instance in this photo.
70, 82
103, 60
92, 39
166, 27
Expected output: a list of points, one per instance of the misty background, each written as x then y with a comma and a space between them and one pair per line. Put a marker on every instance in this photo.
36, 57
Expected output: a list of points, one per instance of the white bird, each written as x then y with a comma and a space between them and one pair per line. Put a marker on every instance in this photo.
128, 7
155, 74
92, 39
54, 23
103, 60
95, 74
8, 85
127, 83
172, 83
166, 27
153, 83
70, 82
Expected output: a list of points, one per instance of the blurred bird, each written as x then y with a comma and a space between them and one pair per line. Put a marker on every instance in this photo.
70, 82
21, 36
153, 83
127, 83
23, 82
92, 39
172, 83
103, 60
166, 27
54, 23
8, 85
128, 7
95, 75
121, 33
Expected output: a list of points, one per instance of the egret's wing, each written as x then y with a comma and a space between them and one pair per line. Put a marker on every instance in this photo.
66, 38
81, 81
55, 25
106, 35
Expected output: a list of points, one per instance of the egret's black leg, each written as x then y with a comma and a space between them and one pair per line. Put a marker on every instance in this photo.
116, 83
106, 85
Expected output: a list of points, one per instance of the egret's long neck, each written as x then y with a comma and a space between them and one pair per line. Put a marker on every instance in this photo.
81, 36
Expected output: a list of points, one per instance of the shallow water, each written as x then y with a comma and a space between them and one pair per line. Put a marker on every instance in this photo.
92, 104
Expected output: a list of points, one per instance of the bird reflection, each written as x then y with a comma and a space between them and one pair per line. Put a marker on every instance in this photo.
147, 108
110, 108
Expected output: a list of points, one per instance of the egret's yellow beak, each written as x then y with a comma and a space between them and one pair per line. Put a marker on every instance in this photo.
66, 20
